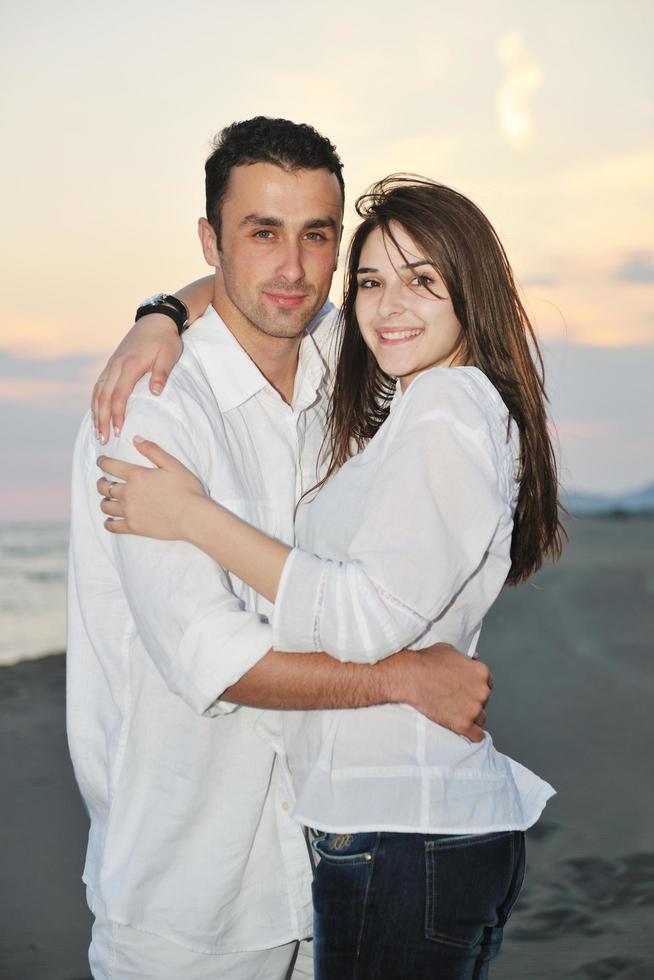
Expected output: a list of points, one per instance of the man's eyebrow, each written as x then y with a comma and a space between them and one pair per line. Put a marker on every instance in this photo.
262, 219
409, 265
321, 223
269, 222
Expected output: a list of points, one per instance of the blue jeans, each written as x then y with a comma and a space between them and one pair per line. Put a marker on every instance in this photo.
395, 906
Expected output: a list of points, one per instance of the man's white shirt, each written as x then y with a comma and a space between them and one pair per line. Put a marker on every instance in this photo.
191, 835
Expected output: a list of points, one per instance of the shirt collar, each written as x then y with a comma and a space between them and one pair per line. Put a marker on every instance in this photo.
233, 375
396, 398
312, 373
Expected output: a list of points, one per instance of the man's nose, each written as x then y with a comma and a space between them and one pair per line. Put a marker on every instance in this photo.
291, 267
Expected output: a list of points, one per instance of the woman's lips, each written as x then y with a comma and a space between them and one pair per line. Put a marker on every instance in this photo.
286, 300
398, 336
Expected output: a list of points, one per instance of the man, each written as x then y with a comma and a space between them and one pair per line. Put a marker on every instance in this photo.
195, 867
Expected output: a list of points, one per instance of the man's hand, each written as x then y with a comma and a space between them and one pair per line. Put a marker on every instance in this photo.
448, 688
152, 345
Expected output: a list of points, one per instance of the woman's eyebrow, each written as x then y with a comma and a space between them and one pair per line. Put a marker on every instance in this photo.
414, 265
409, 265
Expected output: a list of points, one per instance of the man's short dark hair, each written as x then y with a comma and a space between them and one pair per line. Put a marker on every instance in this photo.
292, 146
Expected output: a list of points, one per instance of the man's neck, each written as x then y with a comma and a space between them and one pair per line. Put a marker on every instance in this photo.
276, 357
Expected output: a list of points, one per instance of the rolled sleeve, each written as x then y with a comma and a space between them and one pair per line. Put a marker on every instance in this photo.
336, 607
200, 672
296, 610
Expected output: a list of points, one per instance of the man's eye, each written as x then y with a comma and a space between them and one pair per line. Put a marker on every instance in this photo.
263, 233
315, 236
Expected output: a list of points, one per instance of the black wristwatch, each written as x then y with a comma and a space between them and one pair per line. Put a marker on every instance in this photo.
168, 305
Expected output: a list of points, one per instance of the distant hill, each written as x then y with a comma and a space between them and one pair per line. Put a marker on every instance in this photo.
590, 505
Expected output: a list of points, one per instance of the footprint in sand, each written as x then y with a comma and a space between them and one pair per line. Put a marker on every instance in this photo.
615, 968
585, 896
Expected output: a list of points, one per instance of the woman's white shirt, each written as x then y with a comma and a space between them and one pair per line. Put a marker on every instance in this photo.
414, 538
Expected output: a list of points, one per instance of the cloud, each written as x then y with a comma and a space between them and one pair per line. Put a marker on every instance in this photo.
52, 382
70, 367
523, 76
637, 267
600, 403
36, 448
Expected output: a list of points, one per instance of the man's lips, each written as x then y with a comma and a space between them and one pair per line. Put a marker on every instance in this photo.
398, 335
286, 300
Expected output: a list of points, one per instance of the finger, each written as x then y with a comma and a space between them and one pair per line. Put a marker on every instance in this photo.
490, 681
116, 526
473, 733
476, 733
154, 452
94, 396
103, 486
118, 467
113, 508
480, 720
109, 488
163, 365
131, 373
475, 655
103, 413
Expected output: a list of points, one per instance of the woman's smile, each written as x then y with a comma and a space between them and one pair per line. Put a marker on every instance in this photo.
403, 308
398, 335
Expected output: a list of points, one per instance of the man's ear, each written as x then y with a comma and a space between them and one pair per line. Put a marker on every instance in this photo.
209, 244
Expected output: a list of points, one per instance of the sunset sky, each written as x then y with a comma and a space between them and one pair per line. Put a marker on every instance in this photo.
542, 113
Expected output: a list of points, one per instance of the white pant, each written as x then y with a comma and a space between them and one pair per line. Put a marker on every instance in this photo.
121, 953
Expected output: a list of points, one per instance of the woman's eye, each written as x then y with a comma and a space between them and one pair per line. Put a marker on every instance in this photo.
424, 281
367, 283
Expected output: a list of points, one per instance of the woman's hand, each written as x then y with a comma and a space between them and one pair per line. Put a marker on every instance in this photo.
154, 503
152, 344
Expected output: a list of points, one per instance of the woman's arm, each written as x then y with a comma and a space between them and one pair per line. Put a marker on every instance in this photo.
429, 520
152, 344
168, 502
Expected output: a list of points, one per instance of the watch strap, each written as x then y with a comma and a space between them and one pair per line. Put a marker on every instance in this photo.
168, 305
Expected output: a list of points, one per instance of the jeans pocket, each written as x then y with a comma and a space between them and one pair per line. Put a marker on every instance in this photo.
470, 885
342, 849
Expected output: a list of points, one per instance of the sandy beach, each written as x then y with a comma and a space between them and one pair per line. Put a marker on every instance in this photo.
571, 657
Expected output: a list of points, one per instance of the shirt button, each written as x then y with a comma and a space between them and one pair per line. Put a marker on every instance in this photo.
286, 806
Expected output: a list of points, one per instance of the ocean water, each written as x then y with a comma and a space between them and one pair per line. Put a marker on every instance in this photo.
33, 561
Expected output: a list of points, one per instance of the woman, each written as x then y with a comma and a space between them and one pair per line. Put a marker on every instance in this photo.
440, 488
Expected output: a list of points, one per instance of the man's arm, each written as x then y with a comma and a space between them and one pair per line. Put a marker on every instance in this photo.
439, 682
207, 647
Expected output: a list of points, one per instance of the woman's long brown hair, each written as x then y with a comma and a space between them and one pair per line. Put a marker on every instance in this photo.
497, 338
